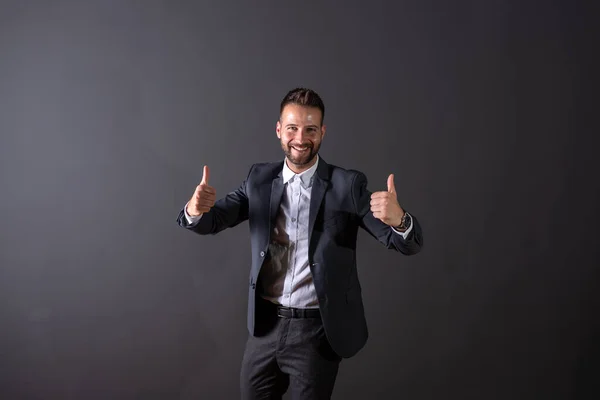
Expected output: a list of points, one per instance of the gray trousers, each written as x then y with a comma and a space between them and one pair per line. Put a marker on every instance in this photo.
288, 353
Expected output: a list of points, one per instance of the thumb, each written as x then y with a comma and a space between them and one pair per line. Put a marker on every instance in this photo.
205, 175
390, 184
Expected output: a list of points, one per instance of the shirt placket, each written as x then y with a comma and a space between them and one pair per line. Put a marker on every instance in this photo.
294, 210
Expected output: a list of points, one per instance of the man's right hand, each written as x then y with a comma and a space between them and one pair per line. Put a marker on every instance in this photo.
204, 197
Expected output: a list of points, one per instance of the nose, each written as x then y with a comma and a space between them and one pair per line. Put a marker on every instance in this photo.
300, 135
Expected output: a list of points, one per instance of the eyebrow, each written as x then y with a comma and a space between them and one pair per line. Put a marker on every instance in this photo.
308, 126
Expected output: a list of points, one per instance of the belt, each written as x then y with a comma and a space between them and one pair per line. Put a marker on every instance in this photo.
288, 312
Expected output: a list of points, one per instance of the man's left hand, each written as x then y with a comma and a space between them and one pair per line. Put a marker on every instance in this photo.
385, 206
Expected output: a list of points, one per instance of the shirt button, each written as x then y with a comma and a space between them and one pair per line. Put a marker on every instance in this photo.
262, 253
293, 219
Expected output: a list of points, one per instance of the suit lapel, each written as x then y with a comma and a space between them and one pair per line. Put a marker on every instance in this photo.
276, 194
316, 197
320, 185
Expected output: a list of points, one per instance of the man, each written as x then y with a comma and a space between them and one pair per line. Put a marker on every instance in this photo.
305, 310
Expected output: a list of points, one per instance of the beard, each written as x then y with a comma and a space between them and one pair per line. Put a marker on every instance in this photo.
300, 158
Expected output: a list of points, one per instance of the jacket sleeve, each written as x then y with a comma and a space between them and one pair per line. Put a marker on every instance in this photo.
227, 212
384, 233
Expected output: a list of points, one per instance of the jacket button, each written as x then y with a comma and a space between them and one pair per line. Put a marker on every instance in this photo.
262, 253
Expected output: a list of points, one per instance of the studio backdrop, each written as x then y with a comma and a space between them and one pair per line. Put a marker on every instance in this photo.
110, 109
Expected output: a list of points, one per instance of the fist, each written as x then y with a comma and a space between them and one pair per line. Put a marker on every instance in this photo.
203, 198
385, 206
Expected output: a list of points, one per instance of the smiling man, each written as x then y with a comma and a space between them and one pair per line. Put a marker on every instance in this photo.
305, 308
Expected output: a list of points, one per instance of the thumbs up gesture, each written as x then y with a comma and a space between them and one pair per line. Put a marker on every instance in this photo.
203, 198
385, 206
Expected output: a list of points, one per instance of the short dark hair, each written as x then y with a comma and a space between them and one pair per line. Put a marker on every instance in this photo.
303, 97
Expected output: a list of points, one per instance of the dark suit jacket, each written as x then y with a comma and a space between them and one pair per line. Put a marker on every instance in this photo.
339, 205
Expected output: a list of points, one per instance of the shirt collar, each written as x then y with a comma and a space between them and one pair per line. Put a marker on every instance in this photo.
305, 176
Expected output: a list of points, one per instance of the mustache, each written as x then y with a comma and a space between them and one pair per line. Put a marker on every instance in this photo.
308, 144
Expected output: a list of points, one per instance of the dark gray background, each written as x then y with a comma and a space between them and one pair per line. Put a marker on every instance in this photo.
109, 110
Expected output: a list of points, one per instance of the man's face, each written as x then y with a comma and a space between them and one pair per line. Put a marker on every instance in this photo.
300, 131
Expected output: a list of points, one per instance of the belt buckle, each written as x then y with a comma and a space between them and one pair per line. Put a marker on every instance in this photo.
279, 310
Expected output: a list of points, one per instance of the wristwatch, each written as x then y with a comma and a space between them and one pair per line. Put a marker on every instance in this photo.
406, 222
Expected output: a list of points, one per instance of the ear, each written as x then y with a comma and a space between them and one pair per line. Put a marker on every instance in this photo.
278, 129
323, 129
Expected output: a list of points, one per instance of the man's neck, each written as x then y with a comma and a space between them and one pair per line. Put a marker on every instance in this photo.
298, 169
